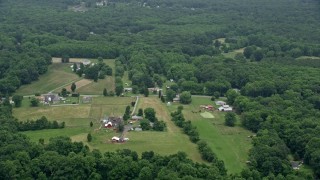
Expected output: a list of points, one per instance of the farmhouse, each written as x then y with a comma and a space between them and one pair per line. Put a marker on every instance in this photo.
112, 122
225, 108
51, 98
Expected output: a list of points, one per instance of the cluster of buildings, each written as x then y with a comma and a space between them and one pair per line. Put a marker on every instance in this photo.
223, 106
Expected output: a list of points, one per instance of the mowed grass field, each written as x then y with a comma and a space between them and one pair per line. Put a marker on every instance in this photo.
77, 119
58, 75
231, 144
85, 86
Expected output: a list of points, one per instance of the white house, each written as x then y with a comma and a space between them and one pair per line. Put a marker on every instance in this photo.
225, 108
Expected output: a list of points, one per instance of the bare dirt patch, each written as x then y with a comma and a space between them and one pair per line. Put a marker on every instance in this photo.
79, 84
56, 60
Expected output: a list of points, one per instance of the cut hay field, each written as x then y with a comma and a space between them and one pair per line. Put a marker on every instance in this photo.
231, 144
57, 75
96, 88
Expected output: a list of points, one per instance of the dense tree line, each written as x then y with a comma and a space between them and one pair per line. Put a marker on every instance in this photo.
62, 158
39, 124
279, 96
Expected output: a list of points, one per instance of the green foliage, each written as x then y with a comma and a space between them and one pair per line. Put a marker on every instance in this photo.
73, 87
119, 86
150, 114
140, 112
64, 92
34, 102
185, 97
159, 126
145, 92
39, 124
126, 115
17, 99
170, 95
230, 119
105, 92
145, 125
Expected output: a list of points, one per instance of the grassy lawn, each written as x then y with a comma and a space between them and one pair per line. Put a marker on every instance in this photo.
232, 54
59, 113
96, 88
231, 144
58, 75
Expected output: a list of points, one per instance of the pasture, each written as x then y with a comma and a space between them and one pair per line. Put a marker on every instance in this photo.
78, 118
58, 75
231, 144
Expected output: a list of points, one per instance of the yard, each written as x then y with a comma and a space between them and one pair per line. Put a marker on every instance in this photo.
231, 144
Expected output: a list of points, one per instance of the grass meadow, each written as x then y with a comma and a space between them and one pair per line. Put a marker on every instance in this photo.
58, 75
231, 144
78, 118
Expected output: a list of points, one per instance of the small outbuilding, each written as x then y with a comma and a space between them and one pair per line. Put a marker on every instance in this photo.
220, 103
136, 118
295, 165
115, 139
127, 89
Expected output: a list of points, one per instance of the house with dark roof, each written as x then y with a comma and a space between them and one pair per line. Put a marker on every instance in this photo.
51, 98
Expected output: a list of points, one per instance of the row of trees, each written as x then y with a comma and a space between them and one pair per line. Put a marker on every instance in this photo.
39, 124
206, 152
61, 158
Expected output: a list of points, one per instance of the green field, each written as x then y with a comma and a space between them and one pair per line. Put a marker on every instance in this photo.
60, 75
57, 76
231, 144
78, 117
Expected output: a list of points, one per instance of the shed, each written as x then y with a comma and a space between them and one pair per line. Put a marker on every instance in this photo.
295, 165
220, 103
127, 89
136, 118
115, 139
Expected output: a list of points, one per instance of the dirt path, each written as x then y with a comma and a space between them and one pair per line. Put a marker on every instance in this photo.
60, 87
135, 106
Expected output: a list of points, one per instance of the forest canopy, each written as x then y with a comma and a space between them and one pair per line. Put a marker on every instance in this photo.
274, 65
